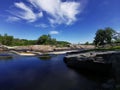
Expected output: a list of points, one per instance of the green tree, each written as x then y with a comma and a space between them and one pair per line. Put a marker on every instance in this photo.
100, 37
86, 43
1, 39
47, 40
109, 32
104, 36
62, 43
44, 39
7, 40
53, 41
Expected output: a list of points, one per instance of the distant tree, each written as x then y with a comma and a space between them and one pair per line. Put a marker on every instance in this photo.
7, 40
16, 42
86, 43
100, 37
53, 41
62, 43
104, 36
44, 39
22, 42
32, 42
0, 39
47, 40
109, 32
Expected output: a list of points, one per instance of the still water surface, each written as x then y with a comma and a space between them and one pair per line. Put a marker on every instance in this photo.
33, 73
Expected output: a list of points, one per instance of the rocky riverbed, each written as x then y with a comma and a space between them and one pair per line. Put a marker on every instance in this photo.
45, 48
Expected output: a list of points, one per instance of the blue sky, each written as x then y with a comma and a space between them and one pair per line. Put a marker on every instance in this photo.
75, 21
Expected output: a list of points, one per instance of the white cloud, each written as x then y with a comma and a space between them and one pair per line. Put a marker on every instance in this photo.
70, 10
58, 12
26, 12
54, 32
12, 19
61, 12
41, 25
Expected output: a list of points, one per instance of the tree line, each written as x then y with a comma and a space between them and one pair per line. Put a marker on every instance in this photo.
42, 40
102, 37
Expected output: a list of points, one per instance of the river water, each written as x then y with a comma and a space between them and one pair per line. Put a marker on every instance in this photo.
34, 73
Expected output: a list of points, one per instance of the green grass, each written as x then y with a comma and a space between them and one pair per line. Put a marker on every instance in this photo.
116, 48
112, 48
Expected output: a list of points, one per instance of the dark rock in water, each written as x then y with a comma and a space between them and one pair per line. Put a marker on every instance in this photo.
89, 65
100, 63
109, 85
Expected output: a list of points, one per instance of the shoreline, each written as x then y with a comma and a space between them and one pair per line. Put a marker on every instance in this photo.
36, 50
36, 53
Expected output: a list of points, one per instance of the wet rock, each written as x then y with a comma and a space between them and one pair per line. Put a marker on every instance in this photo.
109, 85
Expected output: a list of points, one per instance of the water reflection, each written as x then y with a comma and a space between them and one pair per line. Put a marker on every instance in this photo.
5, 56
92, 75
106, 81
46, 56
31, 73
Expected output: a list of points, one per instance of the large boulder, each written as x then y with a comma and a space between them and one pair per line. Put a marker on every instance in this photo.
111, 58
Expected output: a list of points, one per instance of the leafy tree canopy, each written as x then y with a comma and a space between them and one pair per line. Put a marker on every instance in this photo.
47, 40
104, 36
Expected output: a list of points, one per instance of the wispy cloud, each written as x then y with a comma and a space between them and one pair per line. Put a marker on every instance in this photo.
27, 12
61, 12
24, 12
12, 19
58, 12
53, 32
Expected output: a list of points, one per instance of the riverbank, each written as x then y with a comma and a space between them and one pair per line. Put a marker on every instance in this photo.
33, 50
45, 48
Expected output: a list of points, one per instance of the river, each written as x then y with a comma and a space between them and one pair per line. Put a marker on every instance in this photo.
34, 73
